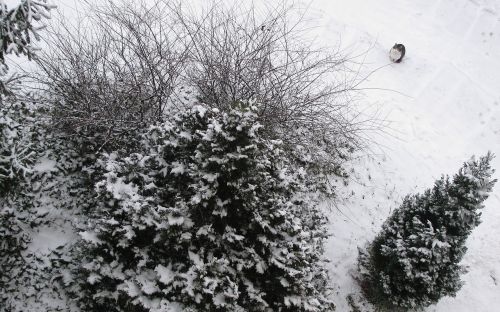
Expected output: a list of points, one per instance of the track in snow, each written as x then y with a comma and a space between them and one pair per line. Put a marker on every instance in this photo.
451, 79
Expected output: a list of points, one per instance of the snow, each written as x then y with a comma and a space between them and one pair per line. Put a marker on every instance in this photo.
444, 108
90, 237
50, 237
166, 275
120, 189
219, 300
173, 220
197, 261
178, 168
45, 165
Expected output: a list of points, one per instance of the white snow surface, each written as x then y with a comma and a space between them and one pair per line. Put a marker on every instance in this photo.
445, 107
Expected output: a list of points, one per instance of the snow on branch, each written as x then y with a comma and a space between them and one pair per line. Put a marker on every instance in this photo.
18, 27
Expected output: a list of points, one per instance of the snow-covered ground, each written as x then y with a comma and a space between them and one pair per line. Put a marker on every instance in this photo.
444, 107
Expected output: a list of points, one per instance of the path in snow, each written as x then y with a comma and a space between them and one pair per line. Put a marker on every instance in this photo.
447, 109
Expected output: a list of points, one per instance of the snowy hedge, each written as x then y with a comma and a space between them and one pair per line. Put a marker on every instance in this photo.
208, 216
15, 160
41, 189
15, 153
414, 261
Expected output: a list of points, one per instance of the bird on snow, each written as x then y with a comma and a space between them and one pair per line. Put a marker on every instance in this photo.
397, 52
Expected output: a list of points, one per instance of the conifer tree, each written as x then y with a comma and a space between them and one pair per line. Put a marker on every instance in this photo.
18, 27
15, 160
40, 180
16, 154
209, 216
414, 260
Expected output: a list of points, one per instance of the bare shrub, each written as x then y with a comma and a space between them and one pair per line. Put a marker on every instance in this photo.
237, 53
112, 72
130, 64
302, 90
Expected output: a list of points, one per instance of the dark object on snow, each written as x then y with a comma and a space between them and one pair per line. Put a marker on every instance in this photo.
397, 52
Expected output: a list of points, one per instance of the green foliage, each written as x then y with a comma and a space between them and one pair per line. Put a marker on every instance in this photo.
14, 241
208, 216
16, 154
42, 187
414, 261
18, 29
16, 158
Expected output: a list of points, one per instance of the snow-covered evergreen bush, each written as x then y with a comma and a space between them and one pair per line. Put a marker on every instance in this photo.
16, 158
208, 216
41, 188
13, 242
16, 154
414, 261
18, 27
